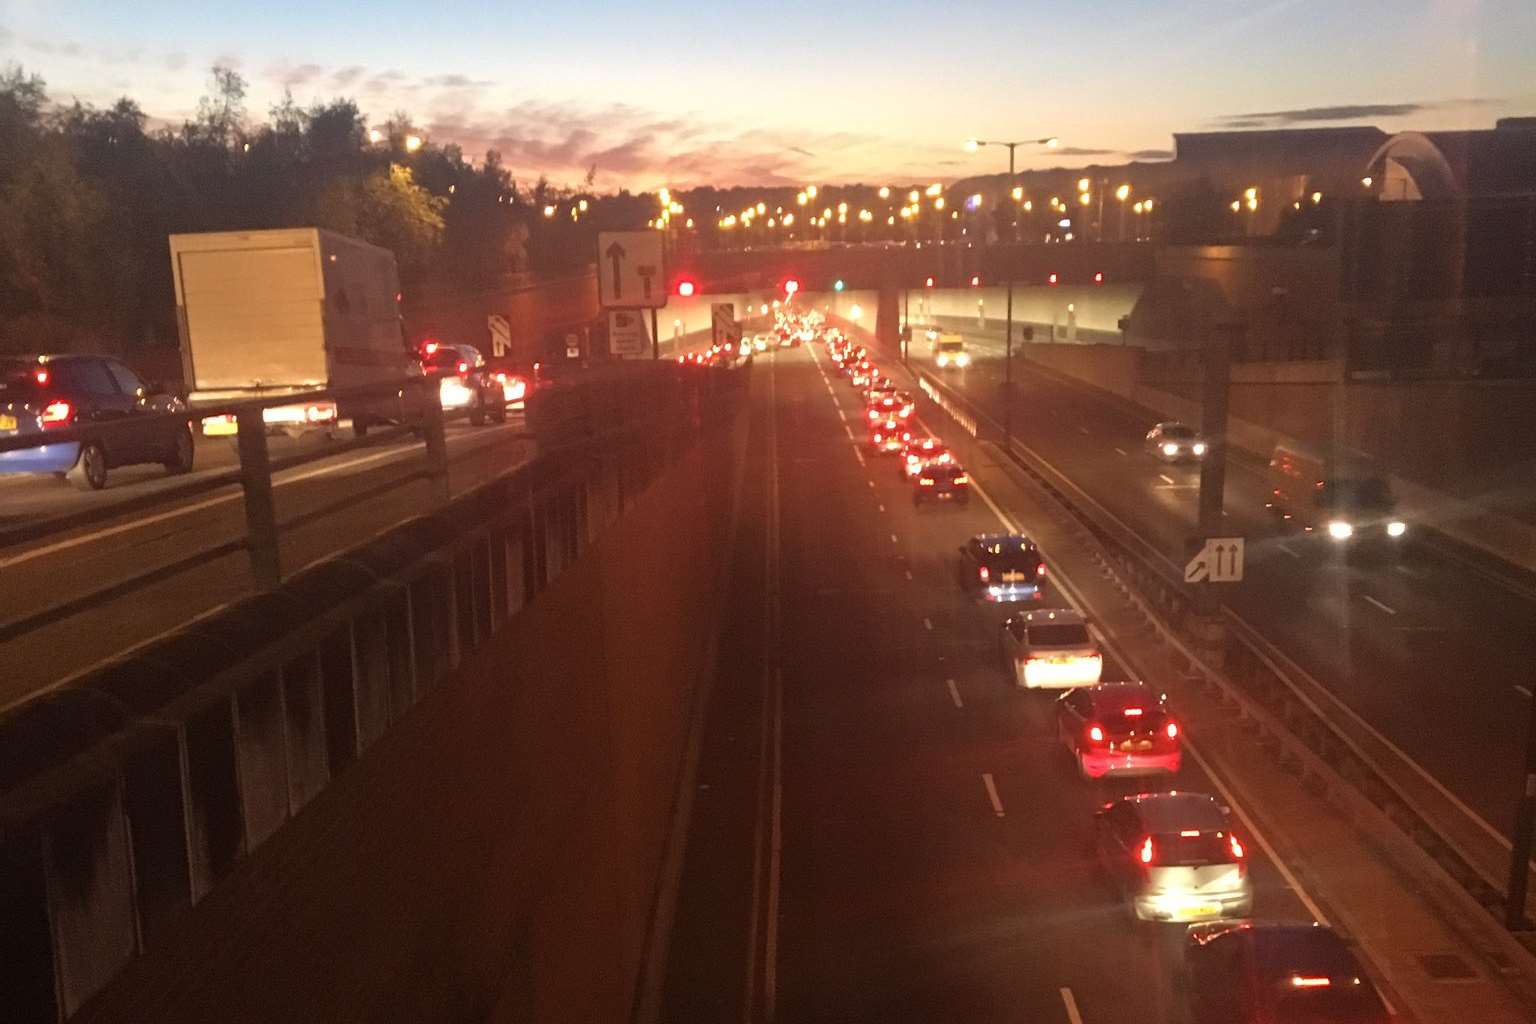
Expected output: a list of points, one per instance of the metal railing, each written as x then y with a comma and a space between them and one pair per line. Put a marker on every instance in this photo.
190, 754
1324, 735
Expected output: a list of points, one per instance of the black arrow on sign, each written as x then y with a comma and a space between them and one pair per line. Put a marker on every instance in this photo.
615, 253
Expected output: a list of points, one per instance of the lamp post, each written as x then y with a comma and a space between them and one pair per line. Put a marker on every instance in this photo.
972, 145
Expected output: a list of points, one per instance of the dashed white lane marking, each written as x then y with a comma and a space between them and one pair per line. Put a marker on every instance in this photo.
954, 693
1083, 431
871, 484
908, 572
894, 539
859, 455
1121, 451
1283, 546
1375, 603
928, 624
1522, 691
997, 803
1070, 1002
1165, 478
880, 506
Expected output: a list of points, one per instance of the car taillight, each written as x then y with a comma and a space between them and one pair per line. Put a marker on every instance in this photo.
983, 573
56, 414
874, 414
878, 439
1040, 570
1148, 852
1237, 847
962, 479
1133, 712
463, 367
1171, 730
501, 379
927, 481
41, 375
1096, 734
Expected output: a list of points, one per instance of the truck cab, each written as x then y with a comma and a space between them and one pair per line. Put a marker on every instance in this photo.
1348, 502
949, 350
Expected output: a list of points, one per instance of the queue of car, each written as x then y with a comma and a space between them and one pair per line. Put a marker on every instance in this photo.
1172, 855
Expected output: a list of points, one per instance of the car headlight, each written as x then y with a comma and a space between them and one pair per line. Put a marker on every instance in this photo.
942, 360
962, 360
1198, 448
1340, 530
1396, 529
1170, 449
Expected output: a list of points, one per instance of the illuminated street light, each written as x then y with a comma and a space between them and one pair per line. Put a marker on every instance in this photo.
975, 200
582, 206
1250, 193
1136, 206
772, 223
549, 211
885, 191
802, 198
412, 143
938, 204
1082, 184
890, 220
789, 219
1123, 192
913, 196
690, 222
1029, 205
935, 189
811, 191
842, 207
375, 136
1085, 198
1317, 197
1147, 203
762, 208
1018, 192
1236, 206
1367, 181
1253, 203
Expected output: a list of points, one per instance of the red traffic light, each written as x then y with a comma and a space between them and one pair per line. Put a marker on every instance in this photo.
686, 288
975, 281
1051, 279
1098, 278
791, 286
928, 283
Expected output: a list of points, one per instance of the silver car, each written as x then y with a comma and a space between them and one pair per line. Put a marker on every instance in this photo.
1173, 441
1050, 650
1175, 857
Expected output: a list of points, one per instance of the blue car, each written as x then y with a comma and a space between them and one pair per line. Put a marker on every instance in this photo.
1001, 567
53, 392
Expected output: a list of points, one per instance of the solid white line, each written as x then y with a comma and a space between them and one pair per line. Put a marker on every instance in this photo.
1120, 450
1067, 1000
1386, 608
1283, 546
997, 803
1008, 524
954, 693
928, 624
1165, 478
1522, 691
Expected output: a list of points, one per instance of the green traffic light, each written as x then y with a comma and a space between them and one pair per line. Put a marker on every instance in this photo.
837, 285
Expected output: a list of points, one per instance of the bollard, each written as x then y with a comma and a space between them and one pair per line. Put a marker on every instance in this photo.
260, 506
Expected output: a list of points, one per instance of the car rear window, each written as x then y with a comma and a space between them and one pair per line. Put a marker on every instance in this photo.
1059, 635
16, 374
1115, 700
1206, 848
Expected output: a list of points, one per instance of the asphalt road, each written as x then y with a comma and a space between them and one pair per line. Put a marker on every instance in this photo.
1430, 650
884, 829
61, 568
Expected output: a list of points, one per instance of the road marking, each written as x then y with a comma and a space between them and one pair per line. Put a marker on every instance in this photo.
860, 456
880, 506
1121, 451
997, 803
1067, 1000
1165, 478
928, 624
871, 484
1283, 546
908, 572
1083, 431
954, 693
1371, 600
894, 539
1522, 691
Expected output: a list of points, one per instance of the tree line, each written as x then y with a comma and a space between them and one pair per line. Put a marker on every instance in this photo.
88, 196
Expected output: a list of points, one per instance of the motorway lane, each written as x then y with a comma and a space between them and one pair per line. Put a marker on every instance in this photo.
1430, 652
51, 572
935, 838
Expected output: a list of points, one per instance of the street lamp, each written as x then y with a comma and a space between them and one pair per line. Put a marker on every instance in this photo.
1050, 142
412, 143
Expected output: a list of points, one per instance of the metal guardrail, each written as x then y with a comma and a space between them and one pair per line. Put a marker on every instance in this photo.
254, 474
1335, 738
192, 753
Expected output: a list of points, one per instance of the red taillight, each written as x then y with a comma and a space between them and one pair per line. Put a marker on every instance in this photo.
430, 348
1133, 712
1172, 730
1096, 734
56, 414
878, 439
501, 379
1237, 848
1040, 570
1299, 981
874, 414
962, 479
1147, 852
463, 366
1051, 279
40, 375
983, 573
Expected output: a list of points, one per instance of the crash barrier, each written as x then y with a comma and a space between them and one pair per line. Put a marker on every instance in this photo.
1311, 728
126, 799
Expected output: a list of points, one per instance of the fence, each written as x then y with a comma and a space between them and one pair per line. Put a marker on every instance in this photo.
148, 782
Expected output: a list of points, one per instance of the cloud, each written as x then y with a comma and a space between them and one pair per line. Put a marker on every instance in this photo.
6, 36
1345, 112
290, 76
802, 151
174, 61
455, 81
384, 80
344, 78
1084, 151
1151, 154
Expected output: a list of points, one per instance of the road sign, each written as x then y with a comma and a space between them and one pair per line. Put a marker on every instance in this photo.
723, 326
501, 334
1220, 560
573, 346
627, 335
630, 274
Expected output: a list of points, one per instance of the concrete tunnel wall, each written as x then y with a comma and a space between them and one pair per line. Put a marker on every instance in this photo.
496, 854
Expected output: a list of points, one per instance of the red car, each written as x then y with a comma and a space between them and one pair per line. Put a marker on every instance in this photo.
1118, 729
888, 435
919, 452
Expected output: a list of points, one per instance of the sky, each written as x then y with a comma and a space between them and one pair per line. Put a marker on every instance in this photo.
793, 93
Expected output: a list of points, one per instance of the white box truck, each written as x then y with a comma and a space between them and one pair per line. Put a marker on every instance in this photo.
285, 312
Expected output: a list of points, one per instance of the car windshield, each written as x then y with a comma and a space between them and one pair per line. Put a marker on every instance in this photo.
1179, 432
951, 345
1368, 493
1061, 634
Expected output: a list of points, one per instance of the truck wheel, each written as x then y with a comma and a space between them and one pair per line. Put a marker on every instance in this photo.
182, 452
89, 472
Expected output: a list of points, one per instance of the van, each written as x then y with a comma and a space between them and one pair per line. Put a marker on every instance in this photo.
1350, 503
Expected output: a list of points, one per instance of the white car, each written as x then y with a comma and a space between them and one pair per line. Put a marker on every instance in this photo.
1173, 441
1050, 650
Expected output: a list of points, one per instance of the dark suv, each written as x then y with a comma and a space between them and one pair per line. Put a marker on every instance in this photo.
1266, 973
39, 394
1002, 567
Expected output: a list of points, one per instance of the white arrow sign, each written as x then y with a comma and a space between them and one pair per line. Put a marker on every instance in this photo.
629, 269
1219, 561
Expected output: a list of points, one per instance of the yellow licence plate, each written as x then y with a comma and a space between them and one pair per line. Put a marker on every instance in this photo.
1012, 577
7, 422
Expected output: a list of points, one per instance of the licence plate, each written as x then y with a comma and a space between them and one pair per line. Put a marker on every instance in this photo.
1136, 745
1012, 577
7, 422
945, 495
